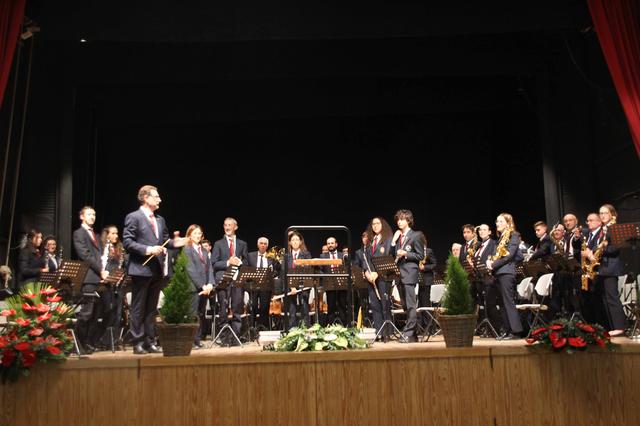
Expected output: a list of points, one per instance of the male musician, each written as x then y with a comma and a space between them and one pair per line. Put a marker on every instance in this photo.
52, 259
456, 248
336, 299
427, 269
543, 247
408, 251
229, 251
468, 233
206, 246
573, 235
145, 235
260, 299
88, 248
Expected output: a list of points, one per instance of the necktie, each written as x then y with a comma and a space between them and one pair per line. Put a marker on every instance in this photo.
373, 247
333, 256
295, 256
261, 263
401, 241
200, 253
231, 248
153, 224
94, 238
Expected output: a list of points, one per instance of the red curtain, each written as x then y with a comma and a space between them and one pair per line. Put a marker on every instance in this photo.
11, 15
617, 23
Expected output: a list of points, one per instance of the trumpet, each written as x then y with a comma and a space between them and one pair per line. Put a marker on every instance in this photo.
276, 254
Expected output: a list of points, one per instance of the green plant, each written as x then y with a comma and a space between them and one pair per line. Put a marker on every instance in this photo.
316, 338
570, 336
37, 330
177, 307
457, 297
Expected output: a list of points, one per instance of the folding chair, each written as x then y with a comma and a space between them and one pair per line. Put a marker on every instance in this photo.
437, 291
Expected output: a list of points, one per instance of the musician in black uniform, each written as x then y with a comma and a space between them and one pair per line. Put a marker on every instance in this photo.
542, 248
113, 258
486, 291
89, 249
408, 251
336, 299
52, 257
31, 261
503, 267
297, 301
260, 299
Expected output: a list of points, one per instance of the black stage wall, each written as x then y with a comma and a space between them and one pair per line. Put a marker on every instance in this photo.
514, 109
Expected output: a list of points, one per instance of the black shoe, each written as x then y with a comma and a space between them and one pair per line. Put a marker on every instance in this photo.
198, 345
409, 339
87, 349
509, 336
139, 349
153, 349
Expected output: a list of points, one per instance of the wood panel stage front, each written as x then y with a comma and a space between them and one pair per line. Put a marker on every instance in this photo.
493, 383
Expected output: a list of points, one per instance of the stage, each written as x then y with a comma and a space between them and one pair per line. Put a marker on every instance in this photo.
499, 383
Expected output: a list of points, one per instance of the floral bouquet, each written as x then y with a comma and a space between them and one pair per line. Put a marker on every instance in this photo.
316, 338
570, 336
37, 330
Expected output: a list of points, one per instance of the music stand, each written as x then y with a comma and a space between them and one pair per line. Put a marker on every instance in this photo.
251, 279
227, 280
535, 269
387, 268
625, 235
72, 273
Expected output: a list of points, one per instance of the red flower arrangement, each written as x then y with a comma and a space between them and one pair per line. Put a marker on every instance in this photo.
570, 336
37, 331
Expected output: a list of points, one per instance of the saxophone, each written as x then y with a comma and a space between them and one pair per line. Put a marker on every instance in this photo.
589, 267
472, 247
501, 249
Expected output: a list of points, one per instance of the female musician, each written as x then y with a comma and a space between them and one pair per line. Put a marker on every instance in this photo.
31, 261
51, 258
606, 284
503, 266
201, 274
113, 257
297, 300
379, 235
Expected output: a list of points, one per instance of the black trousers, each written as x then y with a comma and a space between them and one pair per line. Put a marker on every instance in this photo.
409, 303
91, 309
298, 303
606, 291
145, 292
337, 306
506, 284
234, 295
381, 308
199, 308
260, 306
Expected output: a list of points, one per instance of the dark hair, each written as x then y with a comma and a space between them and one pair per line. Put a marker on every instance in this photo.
385, 233
468, 226
404, 214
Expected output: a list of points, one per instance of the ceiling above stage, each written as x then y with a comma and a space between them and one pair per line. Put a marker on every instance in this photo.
206, 21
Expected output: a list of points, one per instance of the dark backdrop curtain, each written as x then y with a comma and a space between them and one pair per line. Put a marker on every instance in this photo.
11, 15
617, 23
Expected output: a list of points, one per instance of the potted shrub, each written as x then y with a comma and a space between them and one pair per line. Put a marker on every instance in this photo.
459, 316
179, 324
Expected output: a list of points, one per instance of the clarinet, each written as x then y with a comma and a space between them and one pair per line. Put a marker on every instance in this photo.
364, 256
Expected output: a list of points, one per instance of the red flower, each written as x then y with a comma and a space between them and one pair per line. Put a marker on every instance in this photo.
22, 346
556, 327
538, 331
577, 342
48, 291
559, 343
30, 295
61, 309
587, 328
54, 299
53, 350
606, 334
8, 312
44, 317
553, 336
53, 340
28, 308
55, 325
28, 358
600, 342
23, 322
35, 332
4, 341
42, 308
7, 357
531, 340
37, 341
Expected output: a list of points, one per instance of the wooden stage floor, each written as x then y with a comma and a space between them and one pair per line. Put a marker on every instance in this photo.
492, 383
